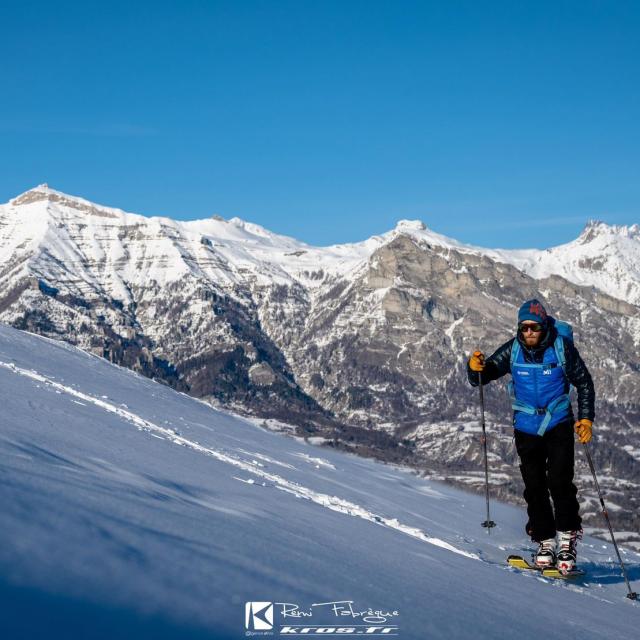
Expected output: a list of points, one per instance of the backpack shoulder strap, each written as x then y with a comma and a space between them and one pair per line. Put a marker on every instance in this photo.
558, 346
515, 352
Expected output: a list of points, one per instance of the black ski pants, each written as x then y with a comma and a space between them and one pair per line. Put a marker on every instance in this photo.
546, 463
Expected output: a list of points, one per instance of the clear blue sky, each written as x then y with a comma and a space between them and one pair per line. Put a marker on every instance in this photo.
499, 123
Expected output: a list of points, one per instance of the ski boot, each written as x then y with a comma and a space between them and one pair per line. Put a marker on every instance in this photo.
567, 554
546, 554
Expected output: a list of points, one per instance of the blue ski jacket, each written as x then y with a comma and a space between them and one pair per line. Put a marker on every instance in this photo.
540, 386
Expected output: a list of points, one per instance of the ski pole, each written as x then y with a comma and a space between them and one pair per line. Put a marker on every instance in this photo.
488, 523
632, 595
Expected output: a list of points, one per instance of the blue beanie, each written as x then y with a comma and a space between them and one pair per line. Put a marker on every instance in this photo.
532, 310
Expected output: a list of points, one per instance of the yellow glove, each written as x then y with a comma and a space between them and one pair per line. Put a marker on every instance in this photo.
583, 429
476, 361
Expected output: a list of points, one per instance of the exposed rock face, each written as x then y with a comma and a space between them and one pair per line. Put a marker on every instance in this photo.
262, 374
365, 344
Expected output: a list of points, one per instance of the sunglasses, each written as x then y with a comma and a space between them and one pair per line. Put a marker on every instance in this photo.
536, 327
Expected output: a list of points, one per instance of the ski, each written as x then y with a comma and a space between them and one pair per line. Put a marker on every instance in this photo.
548, 572
554, 572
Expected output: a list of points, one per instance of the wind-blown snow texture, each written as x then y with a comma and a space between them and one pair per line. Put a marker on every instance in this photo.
133, 511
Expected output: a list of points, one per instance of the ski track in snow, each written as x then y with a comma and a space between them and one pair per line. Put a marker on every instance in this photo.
261, 456
318, 462
333, 503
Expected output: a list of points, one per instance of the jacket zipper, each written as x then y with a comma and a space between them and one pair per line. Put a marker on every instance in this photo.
535, 378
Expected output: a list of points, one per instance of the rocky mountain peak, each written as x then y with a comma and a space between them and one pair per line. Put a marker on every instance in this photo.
40, 192
44, 193
598, 229
410, 225
252, 228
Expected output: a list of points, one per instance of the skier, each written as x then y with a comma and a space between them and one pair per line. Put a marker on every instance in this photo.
542, 363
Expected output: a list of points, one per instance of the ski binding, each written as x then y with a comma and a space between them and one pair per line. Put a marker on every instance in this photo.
548, 572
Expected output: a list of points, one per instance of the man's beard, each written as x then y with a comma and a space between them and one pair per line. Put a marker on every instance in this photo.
533, 341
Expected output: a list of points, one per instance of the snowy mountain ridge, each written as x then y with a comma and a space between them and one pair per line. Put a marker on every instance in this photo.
603, 256
226, 249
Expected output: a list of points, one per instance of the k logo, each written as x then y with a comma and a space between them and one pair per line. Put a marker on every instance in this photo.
258, 616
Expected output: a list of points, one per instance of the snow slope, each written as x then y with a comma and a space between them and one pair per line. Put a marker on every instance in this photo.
132, 511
